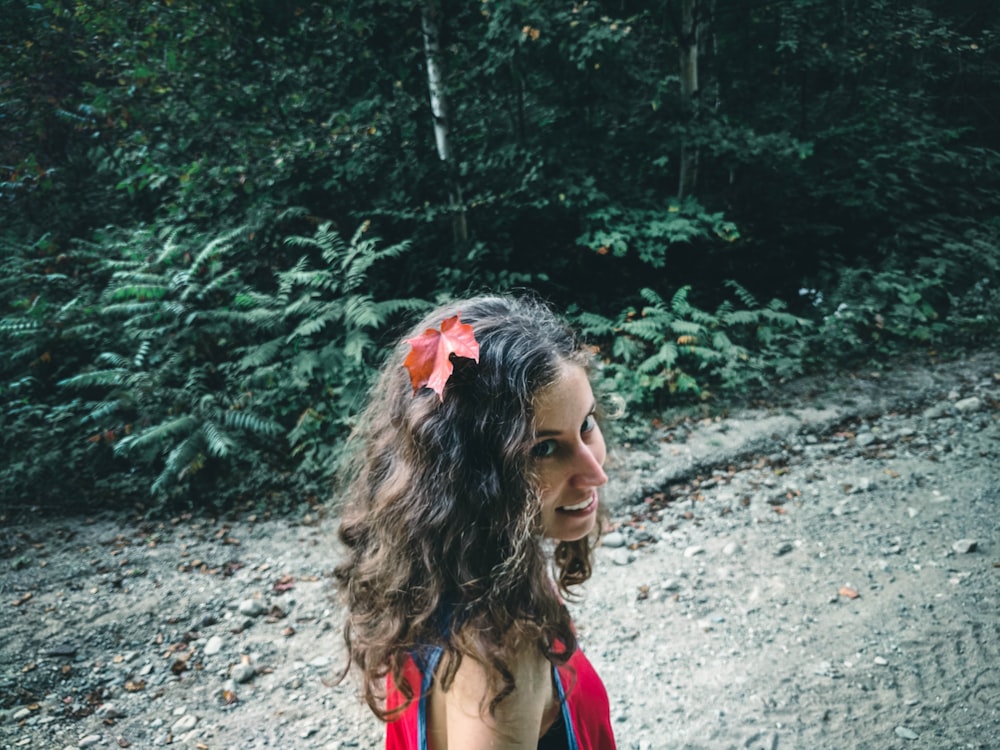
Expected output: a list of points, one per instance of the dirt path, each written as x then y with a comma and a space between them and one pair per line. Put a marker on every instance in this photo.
821, 575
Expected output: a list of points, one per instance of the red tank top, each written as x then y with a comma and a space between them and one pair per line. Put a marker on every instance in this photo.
586, 714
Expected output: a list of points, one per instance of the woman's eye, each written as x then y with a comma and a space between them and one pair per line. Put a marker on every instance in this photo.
588, 424
543, 449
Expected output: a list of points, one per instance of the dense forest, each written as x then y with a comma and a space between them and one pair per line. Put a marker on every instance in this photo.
215, 215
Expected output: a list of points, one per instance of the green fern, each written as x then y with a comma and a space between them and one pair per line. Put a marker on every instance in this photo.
679, 348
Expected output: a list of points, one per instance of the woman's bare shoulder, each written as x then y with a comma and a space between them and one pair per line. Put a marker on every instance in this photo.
460, 716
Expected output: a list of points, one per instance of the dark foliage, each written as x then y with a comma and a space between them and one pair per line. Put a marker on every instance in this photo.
184, 314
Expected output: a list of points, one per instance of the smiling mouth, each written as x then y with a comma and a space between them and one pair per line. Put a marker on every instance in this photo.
582, 505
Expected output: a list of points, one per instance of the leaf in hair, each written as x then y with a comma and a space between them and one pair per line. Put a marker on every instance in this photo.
429, 360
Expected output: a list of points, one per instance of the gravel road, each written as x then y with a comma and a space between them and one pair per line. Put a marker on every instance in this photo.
819, 572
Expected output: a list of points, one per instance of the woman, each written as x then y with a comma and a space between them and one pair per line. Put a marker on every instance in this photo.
479, 444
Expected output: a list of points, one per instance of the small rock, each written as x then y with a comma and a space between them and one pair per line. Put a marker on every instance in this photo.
109, 711
622, 556
89, 741
865, 439
865, 484
783, 549
694, 550
881, 661
21, 714
905, 734
731, 549
968, 405
613, 540
213, 645
252, 608
184, 724
243, 672
937, 411
965, 546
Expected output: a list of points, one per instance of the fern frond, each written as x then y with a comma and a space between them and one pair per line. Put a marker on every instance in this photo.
313, 325
388, 308
141, 293
102, 410
742, 294
740, 318
356, 346
219, 443
296, 240
113, 377
196, 383
113, 359
217, 245
220, 280
646, 329
679, 302
306, 305
132, 309
687, 328
183, 459
362, 257
593, 325
361, 312
662, 360
721, 342
653, 298
18, 326
703, 354
251, 423
259, 355
626, 348
140, 356
157, 435
292, 212
132, 277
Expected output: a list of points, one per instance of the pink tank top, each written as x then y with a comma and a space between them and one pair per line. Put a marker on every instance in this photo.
586, 714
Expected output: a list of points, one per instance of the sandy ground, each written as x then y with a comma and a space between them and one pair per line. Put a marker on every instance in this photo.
820, 572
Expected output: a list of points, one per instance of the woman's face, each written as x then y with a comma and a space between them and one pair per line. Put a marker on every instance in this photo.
568, 454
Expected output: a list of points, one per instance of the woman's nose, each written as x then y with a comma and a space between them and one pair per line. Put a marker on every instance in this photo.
589, 471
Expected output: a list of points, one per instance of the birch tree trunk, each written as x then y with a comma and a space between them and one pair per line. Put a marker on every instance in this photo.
439, 110
688, 48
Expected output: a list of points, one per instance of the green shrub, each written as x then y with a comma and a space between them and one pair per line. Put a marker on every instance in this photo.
219, 390
677, 349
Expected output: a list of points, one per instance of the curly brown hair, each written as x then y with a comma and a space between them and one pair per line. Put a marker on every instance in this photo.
441, 521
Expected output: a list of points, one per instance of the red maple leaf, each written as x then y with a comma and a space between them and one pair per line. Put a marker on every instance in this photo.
429, 360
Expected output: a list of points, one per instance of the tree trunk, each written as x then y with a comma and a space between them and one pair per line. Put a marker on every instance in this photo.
688, 48
439, 110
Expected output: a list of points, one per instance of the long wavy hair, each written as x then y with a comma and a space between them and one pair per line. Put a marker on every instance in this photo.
441, 522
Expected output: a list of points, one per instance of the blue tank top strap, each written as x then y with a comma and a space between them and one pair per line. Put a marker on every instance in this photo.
426, 659
566, 717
